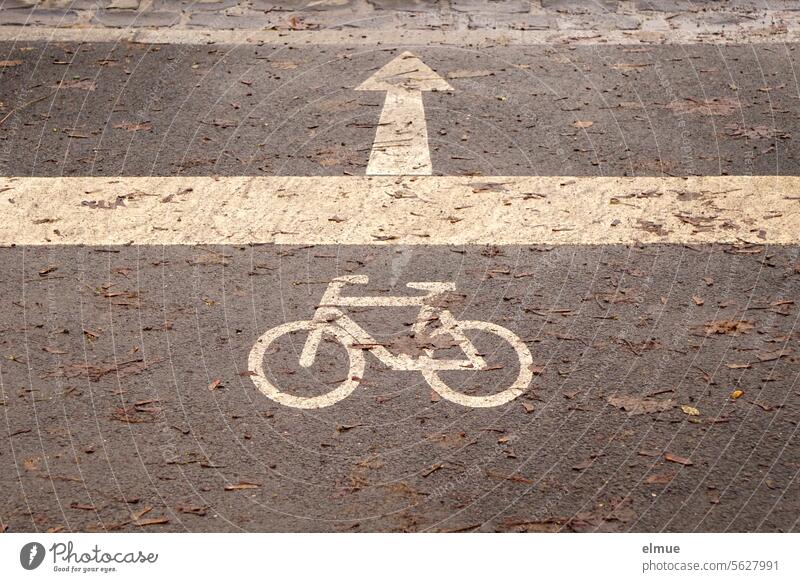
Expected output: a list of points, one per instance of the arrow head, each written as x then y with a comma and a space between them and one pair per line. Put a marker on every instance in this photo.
405, 72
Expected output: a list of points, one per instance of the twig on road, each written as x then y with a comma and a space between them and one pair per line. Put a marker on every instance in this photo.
24, 105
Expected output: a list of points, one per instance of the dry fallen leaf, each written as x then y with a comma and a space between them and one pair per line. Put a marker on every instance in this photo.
728, 327
131, 126
714, 107
742, 366
690, 410
629, 66
583, 465
152, 521
536, 369
14, 63
583, 124
216, 383
773, 355
283, 65
57, 351
82, 506
242, 485
134, 414
737, 131
634, 405
659, 479
677, 459
83, 84
453, 440
193, 509
32, 464
736, 394
210, 258
346, 427
464, 74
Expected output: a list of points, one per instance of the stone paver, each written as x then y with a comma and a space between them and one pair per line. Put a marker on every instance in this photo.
302, 5
707, 5
117, 19
11, 4
580, 6
610, 21
232, 22
512, 22
39, 16
711, 16
491, 6
402, 5
212, 6
124, 4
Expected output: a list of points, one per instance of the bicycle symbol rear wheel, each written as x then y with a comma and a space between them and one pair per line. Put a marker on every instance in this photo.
519, 386
268, 389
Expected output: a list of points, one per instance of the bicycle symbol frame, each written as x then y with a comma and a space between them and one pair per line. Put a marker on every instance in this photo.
330, 319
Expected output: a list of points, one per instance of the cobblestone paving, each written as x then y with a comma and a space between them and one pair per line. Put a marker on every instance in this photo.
565, 15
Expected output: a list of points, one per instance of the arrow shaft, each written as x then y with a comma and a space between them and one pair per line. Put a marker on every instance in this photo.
401, 141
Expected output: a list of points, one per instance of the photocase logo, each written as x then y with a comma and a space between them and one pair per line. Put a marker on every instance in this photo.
31, 555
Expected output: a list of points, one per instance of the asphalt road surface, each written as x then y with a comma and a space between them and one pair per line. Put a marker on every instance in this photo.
123, 109
664, 392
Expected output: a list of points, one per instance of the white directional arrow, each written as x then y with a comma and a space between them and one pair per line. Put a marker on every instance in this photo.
401, 141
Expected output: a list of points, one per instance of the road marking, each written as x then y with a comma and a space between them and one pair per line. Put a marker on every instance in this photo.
401, 140
788, 32
330, 319
354, 210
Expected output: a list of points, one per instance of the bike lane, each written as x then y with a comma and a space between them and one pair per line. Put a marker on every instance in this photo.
126, 380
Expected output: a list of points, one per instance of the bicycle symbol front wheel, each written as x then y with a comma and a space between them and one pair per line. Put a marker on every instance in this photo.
268, 389
519, 386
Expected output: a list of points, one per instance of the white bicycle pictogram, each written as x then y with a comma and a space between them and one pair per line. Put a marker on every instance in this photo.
330, 319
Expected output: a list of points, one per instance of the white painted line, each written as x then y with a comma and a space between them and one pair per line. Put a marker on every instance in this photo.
399, 210
401, 140
787, 32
